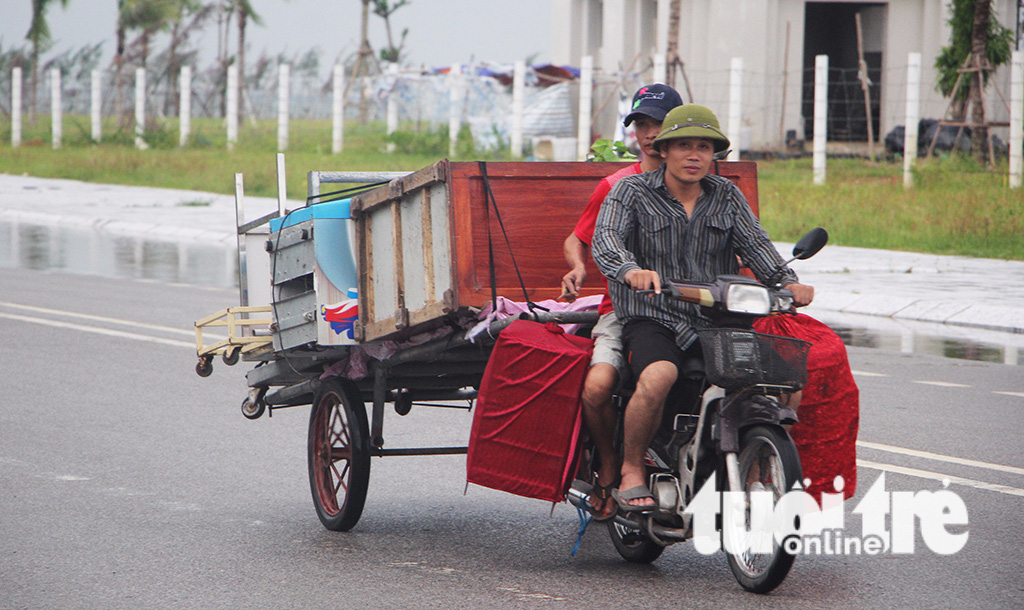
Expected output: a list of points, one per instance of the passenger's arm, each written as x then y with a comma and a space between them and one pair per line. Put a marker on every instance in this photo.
575, 252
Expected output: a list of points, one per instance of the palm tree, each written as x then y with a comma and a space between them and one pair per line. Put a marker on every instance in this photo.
245, 13
38, 35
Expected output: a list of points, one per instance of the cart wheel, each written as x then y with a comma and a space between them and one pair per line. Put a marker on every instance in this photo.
254, 406
339, 454
204, 367
230, 355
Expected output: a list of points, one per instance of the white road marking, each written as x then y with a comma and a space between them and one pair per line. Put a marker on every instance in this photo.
85, 316
100, 331
867, 374
938, 476
942, 384
1020, 394
940, 458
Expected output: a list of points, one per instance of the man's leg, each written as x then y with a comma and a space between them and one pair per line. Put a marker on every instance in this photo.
643, 416
599, 417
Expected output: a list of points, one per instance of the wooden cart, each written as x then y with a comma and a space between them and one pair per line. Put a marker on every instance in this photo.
345, 330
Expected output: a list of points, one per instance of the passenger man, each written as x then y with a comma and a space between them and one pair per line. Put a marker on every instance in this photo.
650, 105
678, 222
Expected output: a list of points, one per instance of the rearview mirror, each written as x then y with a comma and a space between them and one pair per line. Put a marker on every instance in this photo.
810, 244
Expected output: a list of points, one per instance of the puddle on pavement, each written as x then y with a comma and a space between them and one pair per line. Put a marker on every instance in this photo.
92, 251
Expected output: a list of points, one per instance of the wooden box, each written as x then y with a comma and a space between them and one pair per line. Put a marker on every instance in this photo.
423, 241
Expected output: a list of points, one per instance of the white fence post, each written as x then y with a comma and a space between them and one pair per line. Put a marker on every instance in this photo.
338, 110
586, 107
140, 107
518, 102
96, 107
185, 106
392, 106
735, 106
660, 68
454, 114
913, 117
820, 117
1016, 118
283, 99
16, 107
57, 119
231, 98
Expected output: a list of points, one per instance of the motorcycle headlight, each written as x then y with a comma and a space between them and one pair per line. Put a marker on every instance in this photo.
748, 299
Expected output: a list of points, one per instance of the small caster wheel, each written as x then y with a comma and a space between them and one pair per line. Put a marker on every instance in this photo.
204, 367
253, 406
230, 355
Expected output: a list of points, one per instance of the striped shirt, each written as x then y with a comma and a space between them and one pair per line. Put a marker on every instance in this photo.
642, 226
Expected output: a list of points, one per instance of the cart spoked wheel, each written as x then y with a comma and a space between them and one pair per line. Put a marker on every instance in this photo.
339, 455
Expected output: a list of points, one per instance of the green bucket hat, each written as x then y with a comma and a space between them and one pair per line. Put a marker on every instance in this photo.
692, 121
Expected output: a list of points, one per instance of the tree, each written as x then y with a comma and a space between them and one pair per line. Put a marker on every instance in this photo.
149, 17
245, 12
995, 47
39, 36
384, 9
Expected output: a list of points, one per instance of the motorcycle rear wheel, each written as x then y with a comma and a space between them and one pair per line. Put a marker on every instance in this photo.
633, 545
778, 469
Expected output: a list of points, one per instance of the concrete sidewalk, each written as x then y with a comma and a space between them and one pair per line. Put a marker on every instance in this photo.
958, 292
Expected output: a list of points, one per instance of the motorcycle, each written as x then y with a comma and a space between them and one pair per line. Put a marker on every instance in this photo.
737, 438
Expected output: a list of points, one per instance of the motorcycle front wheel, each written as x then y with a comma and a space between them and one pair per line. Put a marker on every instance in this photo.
767, 457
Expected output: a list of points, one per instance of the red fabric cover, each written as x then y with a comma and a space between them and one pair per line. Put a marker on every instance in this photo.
829, 411
528, 413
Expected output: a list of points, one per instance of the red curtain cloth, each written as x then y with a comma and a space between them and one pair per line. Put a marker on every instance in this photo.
829, 412
528, 412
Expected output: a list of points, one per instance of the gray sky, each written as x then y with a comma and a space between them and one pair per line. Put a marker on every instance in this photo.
441, 32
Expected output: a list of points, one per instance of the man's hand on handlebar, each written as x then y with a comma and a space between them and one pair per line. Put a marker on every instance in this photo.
802, 294
644, 279
571, 284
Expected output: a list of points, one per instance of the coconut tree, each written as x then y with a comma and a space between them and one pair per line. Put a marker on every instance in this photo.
245, 12
39, 36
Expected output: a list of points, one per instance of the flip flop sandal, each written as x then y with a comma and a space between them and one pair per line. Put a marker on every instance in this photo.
601, 493
622, 498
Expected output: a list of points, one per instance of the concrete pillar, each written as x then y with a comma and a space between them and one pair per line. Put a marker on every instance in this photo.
56, 116
338, 110
1016, 118
96, 107
913, 118
454, 107
185, 106
586, 107
820, 117
16, 107
518, 102
140, 107
735, 107
283, 99
231, 98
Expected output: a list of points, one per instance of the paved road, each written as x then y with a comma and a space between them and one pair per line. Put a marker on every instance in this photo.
128, 481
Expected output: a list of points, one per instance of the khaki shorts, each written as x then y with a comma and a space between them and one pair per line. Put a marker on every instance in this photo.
607, 336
